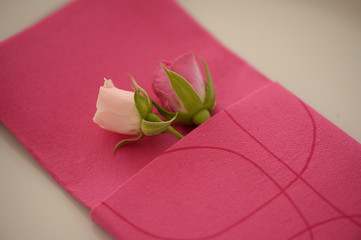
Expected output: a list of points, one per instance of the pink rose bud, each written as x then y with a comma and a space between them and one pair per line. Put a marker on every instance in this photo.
129, 113
181, 88
186, 66
116, 110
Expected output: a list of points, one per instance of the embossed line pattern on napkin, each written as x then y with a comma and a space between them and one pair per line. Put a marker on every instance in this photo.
285, 157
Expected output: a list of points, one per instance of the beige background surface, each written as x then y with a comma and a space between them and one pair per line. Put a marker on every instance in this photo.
313, 48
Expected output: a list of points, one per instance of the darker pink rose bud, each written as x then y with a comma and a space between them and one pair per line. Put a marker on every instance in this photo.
182, 89
186, 66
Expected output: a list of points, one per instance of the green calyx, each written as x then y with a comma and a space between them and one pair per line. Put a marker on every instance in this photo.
150, 123
201, 116
210, 98
185, 92
153, 125
197, 111
142, 101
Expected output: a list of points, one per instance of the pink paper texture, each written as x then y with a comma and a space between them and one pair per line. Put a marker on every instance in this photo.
268, 167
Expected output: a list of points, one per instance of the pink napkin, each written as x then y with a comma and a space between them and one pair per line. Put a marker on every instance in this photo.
267, 167
50, 75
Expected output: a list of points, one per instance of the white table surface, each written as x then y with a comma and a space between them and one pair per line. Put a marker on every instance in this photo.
312, 47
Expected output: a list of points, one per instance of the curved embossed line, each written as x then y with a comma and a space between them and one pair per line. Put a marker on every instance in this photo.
313, 144
282, 191
312, 148
308, 228
322, 223
135, 226
241, 220
330, 203
308, 160
293, 171
203, 238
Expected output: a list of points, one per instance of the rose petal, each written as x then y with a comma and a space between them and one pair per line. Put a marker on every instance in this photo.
124, 124
163, 89
116, 110
187, 66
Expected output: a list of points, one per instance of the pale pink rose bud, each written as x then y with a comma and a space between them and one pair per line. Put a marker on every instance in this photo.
186, 65
116, 110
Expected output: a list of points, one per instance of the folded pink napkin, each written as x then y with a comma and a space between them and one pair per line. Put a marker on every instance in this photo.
50, 75
267, 167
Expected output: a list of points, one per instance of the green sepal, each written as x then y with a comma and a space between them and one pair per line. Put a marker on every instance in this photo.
162, 111
184, 118
121, 143
142, 101
210, 98
140, 90
185, 92
142, 105
152, 117
150, 128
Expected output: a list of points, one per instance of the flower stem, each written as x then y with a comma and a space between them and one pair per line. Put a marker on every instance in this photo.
175, 132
